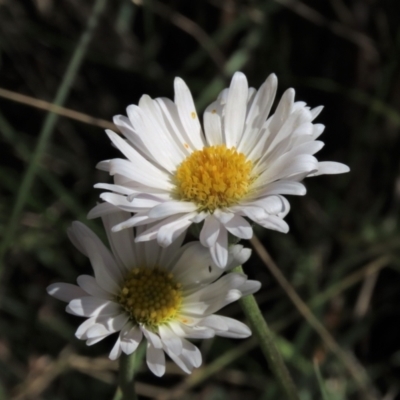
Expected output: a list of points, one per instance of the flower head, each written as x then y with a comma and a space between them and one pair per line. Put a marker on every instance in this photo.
143, 290
239, 167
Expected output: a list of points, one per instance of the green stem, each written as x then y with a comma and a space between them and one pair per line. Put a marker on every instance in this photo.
126, 386
266, 341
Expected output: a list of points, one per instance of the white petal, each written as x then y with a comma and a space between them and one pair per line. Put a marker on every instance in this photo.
176, 327
191, 353
213, 123
235, 110
116, 350
170, 228
141, 175
286, 168
281, 114
127, 129
103, 165
200, 217
271, 204
330, 167
236, 329
108, 326
187, 113
223, 95
84, 327
170, 339
122, 242
275, 223
151, 135
304, 131
219, 251
115, 188
196, 332
210, 231
318, 130
108, 276
91, 306
286, 131
216, 322
189, 359
195, 309
78, 232
169, 255
257, 115
316, 111
125, 126
169, 232
147, 170
146, 201
250, 96
178, 360
150, 254
306, 148
239, 255
137, 220
286, 207
171, 117
216, 290
91, 342
158, 139
90, 286
130, 339
65, 291
223, 216
155, 360
282, 187
217, 304
151, 337
100, 210
255, 213
250, 287
239, 227
118, 201
194, 267
171, 208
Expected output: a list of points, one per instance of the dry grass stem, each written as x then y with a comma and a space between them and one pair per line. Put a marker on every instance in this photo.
65, 112
355, 369
365, 296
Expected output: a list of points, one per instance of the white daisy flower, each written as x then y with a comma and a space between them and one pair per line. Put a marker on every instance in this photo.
239, 168
165, 295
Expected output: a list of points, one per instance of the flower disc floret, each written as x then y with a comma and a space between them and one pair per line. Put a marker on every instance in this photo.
150, 296
214, 177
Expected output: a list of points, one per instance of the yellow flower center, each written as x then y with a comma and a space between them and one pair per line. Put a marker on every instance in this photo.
150, 296
214, 177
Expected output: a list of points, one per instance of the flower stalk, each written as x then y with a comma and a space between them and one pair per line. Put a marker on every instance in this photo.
127, 376
266, 341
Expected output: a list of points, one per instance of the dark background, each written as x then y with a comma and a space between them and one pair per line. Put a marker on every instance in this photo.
341, 254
